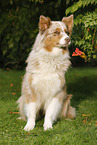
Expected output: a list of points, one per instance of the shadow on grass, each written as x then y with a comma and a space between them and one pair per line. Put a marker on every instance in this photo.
83, 88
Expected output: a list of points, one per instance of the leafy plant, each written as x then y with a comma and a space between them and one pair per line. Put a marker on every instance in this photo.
85, 30
16, 34
19, 27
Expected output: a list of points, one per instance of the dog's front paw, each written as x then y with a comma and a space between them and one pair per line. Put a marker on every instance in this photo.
29, 126
47, 126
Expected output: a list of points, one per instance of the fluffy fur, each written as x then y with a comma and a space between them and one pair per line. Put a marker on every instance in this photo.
44, 86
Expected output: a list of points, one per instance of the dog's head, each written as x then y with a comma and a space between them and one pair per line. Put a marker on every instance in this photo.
55, 34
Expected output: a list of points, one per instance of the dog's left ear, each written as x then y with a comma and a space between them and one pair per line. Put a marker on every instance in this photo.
69, 23
44, 23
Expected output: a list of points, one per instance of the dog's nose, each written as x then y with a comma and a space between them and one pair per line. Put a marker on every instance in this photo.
67, 39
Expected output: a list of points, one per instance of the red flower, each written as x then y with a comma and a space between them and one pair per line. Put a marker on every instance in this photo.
13, 93
88, 29
77, 50
78, 53
74, 54
11, 84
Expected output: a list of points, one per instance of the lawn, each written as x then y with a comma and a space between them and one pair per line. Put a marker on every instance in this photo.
81, 82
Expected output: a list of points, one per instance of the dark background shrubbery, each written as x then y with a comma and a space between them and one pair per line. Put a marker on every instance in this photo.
19, 27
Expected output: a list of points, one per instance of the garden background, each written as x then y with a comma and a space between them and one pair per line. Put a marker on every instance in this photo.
18, 29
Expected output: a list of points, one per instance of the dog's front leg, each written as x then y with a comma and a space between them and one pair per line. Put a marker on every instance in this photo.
52, 112
30, 112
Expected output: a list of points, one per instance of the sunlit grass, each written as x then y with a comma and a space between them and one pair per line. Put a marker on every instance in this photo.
81, 82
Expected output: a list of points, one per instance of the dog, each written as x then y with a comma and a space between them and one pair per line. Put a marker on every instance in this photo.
44, 86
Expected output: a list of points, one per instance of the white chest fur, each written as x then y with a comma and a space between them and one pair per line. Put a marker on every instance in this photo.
47, 73
46, 84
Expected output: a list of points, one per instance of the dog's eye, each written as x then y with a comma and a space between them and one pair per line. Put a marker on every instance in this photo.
56, 32
67, 32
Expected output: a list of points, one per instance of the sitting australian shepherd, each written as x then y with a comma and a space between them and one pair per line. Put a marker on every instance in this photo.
44, 86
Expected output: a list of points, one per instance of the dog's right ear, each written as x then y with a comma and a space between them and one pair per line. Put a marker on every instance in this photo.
44, 23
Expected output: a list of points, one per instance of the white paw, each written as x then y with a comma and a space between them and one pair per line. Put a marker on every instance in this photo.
47, 126
29, 126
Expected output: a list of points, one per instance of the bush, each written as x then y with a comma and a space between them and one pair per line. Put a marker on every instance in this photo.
19, 27
17, 34
85, 29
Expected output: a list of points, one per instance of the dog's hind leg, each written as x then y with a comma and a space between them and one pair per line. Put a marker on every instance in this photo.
68, 111
20, 102
30, 112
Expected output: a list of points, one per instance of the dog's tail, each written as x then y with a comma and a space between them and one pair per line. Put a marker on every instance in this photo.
20, 102
68, 111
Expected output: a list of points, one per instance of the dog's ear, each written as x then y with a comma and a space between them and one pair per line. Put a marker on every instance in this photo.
44, 23
69, 23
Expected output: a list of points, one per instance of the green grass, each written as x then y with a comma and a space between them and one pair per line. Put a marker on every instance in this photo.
81, 82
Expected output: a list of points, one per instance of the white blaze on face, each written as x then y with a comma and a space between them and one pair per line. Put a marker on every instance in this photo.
63, 40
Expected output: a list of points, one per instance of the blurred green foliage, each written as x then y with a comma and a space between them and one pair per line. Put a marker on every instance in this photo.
19, 27
85, 28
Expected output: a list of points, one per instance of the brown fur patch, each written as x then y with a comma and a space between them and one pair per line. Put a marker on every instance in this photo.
71, 112
62, 81
66, 106
69, 23
51, 41
64, 51
44, 23
64, 88
58, 30
65, 30
32, 96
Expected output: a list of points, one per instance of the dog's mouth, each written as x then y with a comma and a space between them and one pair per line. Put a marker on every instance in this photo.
62, 46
